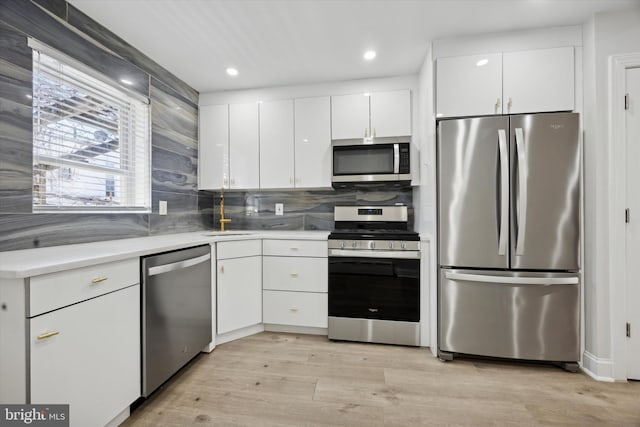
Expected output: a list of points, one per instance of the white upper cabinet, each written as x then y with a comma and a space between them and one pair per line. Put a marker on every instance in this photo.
378, 114
390, 113
349, 116
313, 142
469, 85
276, 144
244, 146
213, 152
538, 80
506, 83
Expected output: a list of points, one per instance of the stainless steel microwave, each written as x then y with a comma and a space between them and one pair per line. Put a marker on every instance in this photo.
379, 160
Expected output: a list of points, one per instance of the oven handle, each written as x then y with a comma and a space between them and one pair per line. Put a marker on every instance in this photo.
374, 254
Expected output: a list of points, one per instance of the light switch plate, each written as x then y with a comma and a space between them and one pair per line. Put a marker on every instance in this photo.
162, 207
279, 208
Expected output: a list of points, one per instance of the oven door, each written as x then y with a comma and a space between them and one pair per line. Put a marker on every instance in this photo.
374, 288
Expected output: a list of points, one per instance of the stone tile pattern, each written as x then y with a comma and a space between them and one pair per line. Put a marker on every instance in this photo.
303, 210
174, 107
174, 130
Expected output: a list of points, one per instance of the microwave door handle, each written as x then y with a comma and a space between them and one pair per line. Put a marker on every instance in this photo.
396, 158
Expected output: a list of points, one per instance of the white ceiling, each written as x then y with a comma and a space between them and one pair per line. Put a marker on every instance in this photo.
289, 42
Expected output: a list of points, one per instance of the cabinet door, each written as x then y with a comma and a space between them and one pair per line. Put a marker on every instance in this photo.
276, 144
239, 293
349, 116
213, 152
391, 113
93, 364
244, 147
538, 80
313, 142
469, 85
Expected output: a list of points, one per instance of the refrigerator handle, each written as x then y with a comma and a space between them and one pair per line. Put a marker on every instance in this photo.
522, 192
504, 193
510, 280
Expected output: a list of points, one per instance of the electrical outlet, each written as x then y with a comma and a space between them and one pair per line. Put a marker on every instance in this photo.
162, 207
279, 208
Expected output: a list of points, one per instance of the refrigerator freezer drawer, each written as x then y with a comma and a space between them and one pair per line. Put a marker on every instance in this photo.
521, 315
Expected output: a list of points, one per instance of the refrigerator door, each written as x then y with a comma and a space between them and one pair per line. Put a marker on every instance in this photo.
473, 196
545, 191
521, 315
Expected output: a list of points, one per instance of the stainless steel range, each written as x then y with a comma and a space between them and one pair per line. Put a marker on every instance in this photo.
374, 276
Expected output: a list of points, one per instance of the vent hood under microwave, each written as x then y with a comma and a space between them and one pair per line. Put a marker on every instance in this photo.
371, 160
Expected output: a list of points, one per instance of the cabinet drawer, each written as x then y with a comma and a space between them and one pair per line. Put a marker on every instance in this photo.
242, 248
295, 274
295, 308
311, 248
51, 291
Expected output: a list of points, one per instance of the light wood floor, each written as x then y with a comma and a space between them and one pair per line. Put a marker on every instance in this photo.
275, 379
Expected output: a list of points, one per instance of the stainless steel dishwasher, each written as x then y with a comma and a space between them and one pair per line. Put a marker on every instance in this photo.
176, 312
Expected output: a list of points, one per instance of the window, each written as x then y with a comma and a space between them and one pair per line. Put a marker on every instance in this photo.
91, 149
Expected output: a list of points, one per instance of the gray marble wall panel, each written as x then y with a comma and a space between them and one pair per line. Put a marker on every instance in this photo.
15, 122
34, 21
174, 133
303, 210
108, 39
21, 231
56, 7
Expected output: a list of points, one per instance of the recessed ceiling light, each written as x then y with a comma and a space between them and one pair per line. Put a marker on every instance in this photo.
126, 81
369, 55
482, 62
232, 71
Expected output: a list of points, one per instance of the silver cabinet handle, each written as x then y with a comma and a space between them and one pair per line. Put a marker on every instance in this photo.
512, 280
504, 193
522, 192
160, 269
396, 158
99, 280
294, 274
497, 106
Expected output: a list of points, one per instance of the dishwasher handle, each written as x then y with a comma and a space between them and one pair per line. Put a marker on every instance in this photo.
160, 269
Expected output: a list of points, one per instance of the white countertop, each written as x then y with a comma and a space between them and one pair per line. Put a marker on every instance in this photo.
33, 262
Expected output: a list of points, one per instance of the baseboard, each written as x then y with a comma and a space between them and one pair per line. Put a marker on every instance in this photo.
119, 419
597, 368
240, 333
295, 329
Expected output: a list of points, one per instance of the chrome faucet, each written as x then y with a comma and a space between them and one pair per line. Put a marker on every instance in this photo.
223, 220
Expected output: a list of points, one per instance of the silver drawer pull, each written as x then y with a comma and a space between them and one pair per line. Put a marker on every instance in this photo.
47, 335
99, 280
294, 309
294, 274
294, 248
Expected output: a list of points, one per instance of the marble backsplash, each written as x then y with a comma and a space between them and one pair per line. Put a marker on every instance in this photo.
303, 210
174, 127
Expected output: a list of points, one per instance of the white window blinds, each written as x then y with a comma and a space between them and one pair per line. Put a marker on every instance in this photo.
91, 144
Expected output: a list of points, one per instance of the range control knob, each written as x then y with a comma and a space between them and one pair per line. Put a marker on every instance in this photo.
354, 244
403, 245
342, 244
390, 245
372, 245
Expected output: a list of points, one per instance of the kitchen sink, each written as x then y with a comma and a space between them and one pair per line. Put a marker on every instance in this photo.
225, 233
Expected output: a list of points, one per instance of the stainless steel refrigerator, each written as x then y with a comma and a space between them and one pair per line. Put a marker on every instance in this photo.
508, 233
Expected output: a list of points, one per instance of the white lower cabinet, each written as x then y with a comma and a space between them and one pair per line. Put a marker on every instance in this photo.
295, 283
295, 308
87, 355
239, 285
